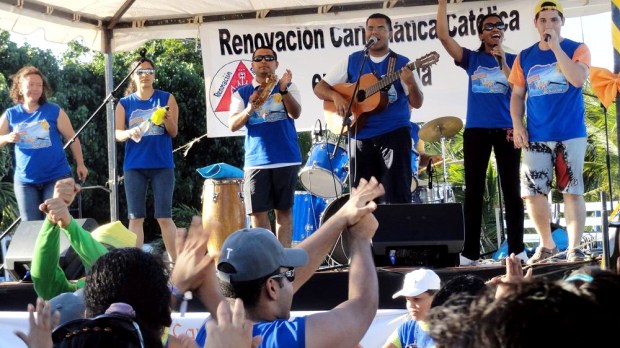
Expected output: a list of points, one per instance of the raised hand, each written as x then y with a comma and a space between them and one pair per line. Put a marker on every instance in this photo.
66, 189
57, 211
231, 329
361, 201
40, 335
192, 258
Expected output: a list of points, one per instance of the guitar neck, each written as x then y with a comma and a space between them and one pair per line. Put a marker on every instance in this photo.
387, 80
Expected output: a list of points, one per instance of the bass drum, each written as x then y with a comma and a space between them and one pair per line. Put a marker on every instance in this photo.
339, 255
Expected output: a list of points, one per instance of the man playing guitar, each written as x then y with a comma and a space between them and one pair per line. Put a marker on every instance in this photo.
382, 141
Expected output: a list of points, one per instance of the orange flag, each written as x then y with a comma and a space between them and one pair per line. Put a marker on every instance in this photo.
605, 85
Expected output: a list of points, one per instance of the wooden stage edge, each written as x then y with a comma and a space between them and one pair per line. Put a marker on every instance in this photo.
326, 289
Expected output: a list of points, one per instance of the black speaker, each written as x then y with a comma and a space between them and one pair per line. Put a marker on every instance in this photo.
419, 234
21, 248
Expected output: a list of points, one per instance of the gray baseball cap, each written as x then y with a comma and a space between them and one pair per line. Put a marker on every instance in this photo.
253, 253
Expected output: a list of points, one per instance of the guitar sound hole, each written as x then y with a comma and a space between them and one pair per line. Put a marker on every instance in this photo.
361, 96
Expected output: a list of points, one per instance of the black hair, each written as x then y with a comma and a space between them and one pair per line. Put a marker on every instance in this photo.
265, 47
249, 291
479, 26
381, 16
135, 277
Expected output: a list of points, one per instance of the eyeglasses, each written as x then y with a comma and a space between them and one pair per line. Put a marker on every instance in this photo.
267, 57
106, 323
380, 29
141, 72
490, 26
289, 275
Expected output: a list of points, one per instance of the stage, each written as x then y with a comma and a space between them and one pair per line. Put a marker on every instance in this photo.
327, 288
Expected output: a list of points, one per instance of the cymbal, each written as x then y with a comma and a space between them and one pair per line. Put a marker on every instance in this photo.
442, 127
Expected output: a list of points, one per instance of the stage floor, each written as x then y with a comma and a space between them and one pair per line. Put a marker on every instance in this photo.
327, 288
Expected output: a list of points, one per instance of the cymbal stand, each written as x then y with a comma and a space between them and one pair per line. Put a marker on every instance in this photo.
445, 168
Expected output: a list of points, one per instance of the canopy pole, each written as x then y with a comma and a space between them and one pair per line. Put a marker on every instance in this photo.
109, 88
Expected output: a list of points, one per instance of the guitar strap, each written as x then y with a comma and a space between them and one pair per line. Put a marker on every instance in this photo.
390, 69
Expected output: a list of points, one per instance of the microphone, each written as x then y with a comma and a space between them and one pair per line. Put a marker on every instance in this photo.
373, 40
498, 58
142, 53
547, 37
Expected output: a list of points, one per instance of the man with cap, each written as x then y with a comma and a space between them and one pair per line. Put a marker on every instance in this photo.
48, 277
419, 288
254, 267
549, 76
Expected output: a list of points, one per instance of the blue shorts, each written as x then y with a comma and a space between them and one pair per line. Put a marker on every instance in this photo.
162, 184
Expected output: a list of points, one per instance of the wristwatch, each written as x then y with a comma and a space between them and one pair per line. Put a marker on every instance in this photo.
284, 92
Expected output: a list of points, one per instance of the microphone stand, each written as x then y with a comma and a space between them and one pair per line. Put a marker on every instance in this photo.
346, 121
109, 97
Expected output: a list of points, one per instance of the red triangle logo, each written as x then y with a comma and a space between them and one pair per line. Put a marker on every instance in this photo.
241, 76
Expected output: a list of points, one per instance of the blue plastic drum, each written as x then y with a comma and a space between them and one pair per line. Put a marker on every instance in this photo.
307, 210
322, 176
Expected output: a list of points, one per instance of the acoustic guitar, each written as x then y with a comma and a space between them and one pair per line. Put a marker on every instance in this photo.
367, 100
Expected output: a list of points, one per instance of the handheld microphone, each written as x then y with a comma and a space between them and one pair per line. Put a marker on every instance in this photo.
373, 40
498, 58
547, 37
142, 53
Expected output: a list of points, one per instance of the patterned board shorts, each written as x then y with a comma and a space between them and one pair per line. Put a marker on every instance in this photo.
541, 159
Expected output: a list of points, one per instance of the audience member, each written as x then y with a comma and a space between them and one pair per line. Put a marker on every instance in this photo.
419, 288
231, 329
48, 277
256, 268
37, 128
40, 333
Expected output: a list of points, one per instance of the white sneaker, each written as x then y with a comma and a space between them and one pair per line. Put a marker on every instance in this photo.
463, 261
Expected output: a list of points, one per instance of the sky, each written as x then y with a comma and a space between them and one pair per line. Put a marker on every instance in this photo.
596, 34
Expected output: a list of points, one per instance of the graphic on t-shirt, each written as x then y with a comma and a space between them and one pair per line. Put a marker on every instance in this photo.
34, 135
489, 80
271, 111
546, 79
139, 116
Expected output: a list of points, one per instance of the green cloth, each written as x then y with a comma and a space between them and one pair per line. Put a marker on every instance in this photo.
48, 277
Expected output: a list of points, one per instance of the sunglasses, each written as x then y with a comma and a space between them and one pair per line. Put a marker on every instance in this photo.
141, 72
490, 26
289, 275
106, 323
267, 57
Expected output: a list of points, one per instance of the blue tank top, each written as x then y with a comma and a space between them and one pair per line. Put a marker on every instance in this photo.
39, 154
154, 151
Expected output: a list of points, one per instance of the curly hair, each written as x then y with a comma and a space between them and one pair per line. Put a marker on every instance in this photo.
135, 277
132, 88
16, 93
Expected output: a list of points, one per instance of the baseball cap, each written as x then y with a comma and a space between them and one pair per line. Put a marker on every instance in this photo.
69, 304
548, 5
253, 253
417, 282
115, 234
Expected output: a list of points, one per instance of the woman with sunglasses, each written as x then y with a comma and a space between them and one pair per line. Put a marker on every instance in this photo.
488, 127
37, 127
148, 151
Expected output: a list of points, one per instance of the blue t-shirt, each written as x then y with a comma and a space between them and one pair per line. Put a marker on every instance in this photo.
555, 108
397, 113
39, 154
154, 151
271, 136
488, 98
278, 333
411, 334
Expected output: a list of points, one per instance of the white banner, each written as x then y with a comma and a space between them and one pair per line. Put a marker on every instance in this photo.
386, 321
311, 45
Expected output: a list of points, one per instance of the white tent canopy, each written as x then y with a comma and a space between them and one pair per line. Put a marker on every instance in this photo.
120, 25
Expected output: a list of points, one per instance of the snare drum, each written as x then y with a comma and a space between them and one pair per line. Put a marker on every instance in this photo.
223, 210
322, 176
440, 193
307, 210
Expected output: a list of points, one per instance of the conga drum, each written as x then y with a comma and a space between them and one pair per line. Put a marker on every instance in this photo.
222, 210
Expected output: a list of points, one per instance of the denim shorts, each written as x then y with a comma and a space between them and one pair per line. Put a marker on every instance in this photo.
30, 196
136, 184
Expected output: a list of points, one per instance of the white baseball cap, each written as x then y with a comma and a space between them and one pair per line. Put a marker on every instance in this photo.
417, 282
